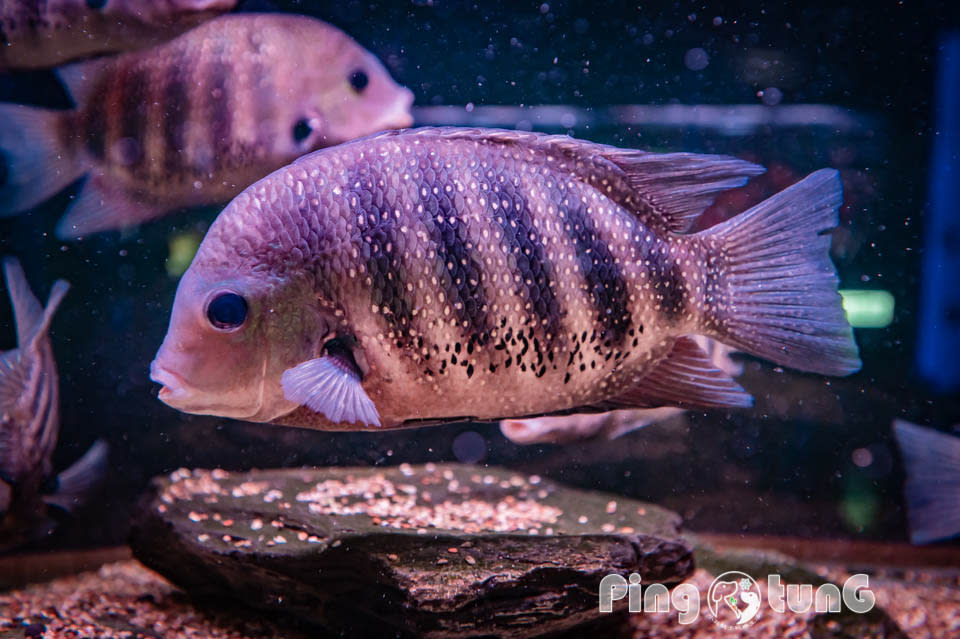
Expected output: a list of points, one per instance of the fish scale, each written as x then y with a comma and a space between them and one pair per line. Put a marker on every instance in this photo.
432, 275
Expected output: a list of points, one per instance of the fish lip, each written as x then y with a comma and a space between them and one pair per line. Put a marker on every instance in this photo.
173, 385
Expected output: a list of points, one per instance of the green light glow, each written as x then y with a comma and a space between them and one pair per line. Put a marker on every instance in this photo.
868, 309
182, 247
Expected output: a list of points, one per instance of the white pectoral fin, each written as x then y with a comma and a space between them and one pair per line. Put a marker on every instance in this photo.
326, 386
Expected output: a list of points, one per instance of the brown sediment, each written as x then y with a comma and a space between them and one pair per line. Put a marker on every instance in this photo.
125, 599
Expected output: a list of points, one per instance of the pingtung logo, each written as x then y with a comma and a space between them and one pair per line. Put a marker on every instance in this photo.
734, 600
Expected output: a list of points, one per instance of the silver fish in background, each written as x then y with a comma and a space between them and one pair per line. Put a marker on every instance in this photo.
38, 34
30, 423
195, 120
932, 462
435, 275
567, 429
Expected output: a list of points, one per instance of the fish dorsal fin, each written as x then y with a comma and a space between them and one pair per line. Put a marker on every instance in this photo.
26, 307
686, 378
330, 386
676, 187
80, 78
680, 186
33, 321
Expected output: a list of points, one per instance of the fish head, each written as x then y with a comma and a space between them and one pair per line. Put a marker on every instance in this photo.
231, 336
341, 92
162, 12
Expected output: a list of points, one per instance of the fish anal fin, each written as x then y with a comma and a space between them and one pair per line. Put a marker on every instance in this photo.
686, 378
102, 207
332, 387
75, 484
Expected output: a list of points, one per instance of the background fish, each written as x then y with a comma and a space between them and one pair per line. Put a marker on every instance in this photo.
571, 428
195, 120
932, 461
36, 34
30, 421
440, 274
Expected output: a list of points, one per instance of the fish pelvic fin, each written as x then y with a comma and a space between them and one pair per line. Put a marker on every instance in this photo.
76, 483
932, 462
328, 386
36, 164
776, 288
685, 378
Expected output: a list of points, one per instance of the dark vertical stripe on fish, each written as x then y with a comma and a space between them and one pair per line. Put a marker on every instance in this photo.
221, 116
133, 126
383, 261
605, 282
94, 119
177, 99
523, 241
460, 268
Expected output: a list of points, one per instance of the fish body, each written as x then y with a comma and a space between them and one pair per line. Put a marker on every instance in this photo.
932, 462
38, 34
434, 275
567, 429
30, 422
195, 120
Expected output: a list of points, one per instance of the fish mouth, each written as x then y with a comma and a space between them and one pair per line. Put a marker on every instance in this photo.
173, 386
398, 117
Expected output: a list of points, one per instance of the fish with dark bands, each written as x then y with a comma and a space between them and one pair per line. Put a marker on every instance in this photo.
338, 244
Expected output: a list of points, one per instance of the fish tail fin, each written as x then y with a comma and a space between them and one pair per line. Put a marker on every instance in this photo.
35, 164
932, 462
774, 286
75, 484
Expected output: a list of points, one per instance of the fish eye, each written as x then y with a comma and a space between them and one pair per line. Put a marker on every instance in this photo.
96, 4
359, 80
301, 130
227, 311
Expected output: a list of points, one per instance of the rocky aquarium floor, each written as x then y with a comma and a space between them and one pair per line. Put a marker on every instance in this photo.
126, 600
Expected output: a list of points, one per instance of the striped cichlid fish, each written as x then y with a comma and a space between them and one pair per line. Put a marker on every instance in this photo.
37, 34
436, 275
195, 120
30, 422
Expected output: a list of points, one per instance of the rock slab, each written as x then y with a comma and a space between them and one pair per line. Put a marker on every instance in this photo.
433, 551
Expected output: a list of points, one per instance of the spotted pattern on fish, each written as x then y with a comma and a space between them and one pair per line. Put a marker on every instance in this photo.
378, 230
604, 279
523, 239
458, 268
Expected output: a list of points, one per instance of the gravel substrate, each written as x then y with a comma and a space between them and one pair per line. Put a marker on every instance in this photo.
125, 600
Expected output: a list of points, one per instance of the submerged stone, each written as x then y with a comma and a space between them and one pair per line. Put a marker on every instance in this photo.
434, 550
